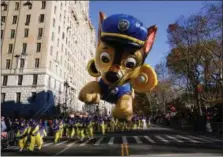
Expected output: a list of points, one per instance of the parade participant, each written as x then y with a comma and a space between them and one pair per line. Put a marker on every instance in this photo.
119, 61
102, 126
134, 122
70, 129
42, 135
56, 131
61, 126
90, 129
108, 124
34, 136
21, 135
144, 125
81, 134
75, 126
112, 124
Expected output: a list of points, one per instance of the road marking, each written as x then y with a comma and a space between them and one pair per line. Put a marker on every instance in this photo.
99, 141
111, 141
47, 144
124, 140
15, 147
212, 139
85, 142
199, 138
60, 143
149, 139
126, 149
189, 139
162, 139
122, 150
175, 139
138, 141
68, 146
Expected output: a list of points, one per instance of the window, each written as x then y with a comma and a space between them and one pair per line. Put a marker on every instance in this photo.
20, 78
38, 47
35, 78
22, 63
5, 8
50, 66
63, 35
40, 32
49, 81
18, 97
55, 9
33, 96
14, 19
24, 46
41, 18
54, 21
27, 19
16, 5
12, 33
10, 48
2, 97
37, 63
52, 38
58, 42
8, 63
57, 55
2, 33
43, 4
5, 80
3, 19
26, 32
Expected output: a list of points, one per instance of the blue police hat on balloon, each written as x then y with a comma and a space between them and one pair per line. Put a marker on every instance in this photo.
124, 28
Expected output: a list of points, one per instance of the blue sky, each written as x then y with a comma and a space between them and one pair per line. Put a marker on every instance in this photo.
161, 13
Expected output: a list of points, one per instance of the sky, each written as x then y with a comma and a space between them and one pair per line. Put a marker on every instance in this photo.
160, 13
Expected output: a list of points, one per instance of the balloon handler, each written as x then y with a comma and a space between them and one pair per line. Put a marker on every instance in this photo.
35, 137
123, 45
21, 135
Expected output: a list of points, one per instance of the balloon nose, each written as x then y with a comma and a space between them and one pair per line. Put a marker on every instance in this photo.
112, 77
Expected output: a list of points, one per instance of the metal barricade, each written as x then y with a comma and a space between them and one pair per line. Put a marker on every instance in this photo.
10, 136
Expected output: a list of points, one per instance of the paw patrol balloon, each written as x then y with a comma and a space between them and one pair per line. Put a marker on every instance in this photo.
123, 45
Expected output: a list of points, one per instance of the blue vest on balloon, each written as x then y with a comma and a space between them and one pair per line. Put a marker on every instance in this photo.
113, 95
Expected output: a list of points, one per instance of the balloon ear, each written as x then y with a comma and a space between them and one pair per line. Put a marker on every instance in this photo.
146, 80
92, 69
150, 39
101, 19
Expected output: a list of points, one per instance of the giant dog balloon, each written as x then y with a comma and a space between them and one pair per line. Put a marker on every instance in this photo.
123, 45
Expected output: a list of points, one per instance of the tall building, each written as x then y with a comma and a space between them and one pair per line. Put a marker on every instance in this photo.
45, 49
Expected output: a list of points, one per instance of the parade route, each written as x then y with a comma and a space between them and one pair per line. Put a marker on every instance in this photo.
153, 141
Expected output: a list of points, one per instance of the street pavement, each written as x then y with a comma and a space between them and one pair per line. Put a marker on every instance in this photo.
155, 141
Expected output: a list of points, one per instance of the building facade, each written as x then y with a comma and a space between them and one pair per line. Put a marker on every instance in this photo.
45, 48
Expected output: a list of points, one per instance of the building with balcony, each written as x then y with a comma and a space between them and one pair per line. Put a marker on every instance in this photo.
45, 48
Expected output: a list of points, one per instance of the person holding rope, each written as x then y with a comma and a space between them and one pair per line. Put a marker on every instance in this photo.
21, 135
34, 136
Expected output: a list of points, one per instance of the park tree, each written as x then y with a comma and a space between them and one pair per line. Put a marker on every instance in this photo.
195, 54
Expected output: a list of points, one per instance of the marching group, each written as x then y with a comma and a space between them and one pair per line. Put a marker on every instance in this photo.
30, 133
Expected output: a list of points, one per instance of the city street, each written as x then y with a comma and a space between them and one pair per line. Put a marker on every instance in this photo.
153, 141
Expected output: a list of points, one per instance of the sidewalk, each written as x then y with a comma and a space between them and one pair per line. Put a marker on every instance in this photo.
187, 130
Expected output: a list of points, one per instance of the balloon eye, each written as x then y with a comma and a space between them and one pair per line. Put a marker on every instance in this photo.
105, 57
130, 63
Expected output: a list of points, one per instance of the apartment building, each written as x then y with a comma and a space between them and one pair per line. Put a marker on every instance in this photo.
45, 48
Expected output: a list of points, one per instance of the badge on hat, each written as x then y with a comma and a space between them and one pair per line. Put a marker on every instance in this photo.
123, 25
